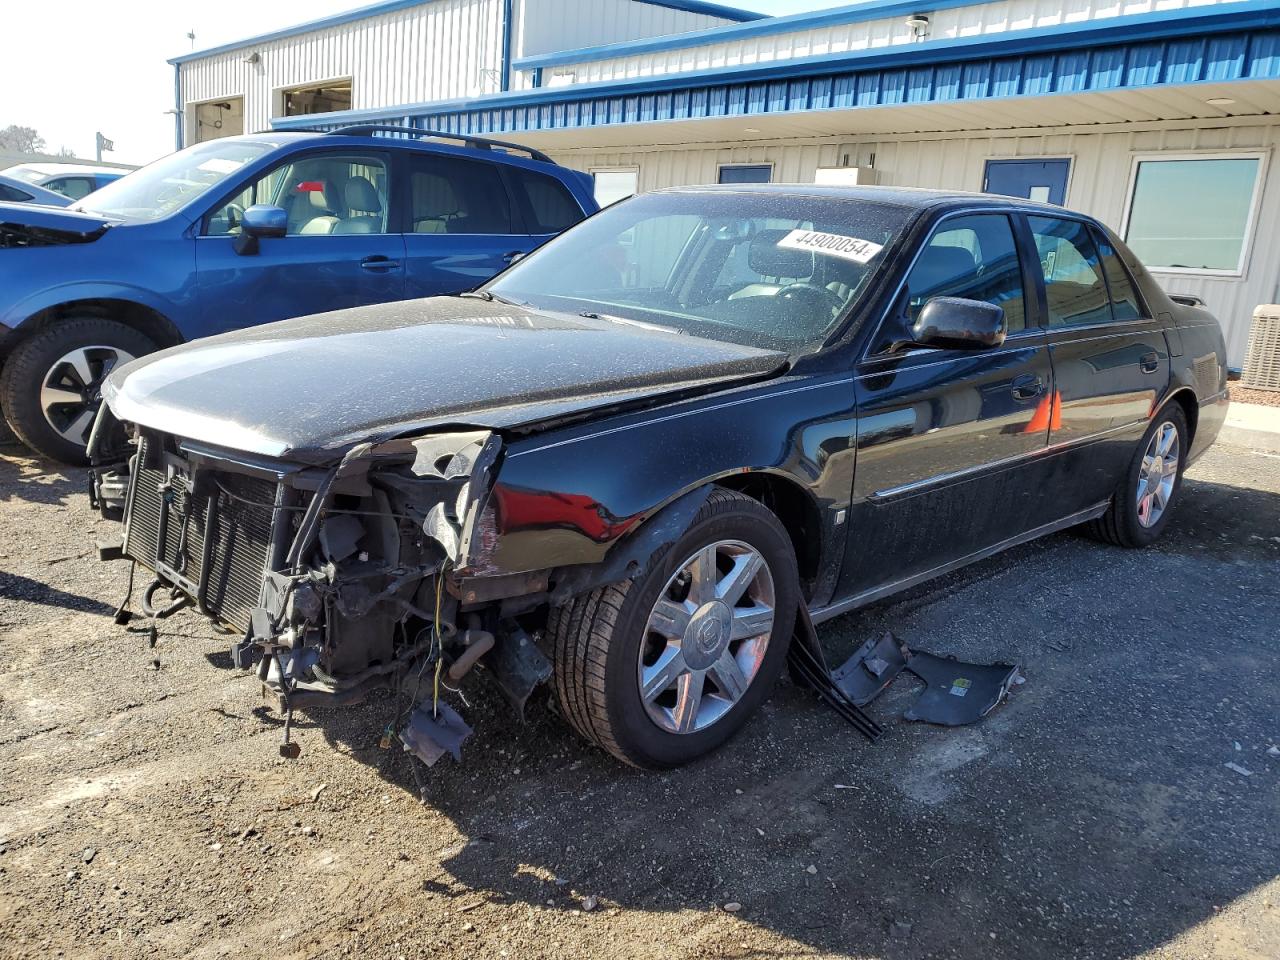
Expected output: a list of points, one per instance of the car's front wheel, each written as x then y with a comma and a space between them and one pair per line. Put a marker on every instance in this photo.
51, 384
664, 668
1144, 500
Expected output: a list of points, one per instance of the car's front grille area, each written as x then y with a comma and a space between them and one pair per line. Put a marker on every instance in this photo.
239, 535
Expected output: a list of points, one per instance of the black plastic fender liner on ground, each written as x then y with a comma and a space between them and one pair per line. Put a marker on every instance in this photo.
956, 693
809, 669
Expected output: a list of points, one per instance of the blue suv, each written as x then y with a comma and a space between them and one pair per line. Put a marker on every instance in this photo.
247, 230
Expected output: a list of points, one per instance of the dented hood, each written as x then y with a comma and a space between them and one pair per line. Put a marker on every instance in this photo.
313, 387
31, 225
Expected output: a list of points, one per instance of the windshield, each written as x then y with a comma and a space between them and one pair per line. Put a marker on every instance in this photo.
764, 270
162, 187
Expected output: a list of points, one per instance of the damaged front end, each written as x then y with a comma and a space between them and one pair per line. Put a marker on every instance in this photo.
335, 581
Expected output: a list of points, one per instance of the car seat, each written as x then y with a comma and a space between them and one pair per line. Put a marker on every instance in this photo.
360, 195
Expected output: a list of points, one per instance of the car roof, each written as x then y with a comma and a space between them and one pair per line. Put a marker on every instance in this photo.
423, 142
53, 169
916, 197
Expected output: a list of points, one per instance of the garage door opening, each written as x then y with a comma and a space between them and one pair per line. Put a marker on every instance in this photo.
219, 118
316, 98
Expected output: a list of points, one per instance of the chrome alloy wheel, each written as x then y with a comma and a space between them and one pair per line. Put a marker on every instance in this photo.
706, 636
71, 390
1158, 474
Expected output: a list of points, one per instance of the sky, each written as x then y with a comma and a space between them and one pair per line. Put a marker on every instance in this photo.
101, 66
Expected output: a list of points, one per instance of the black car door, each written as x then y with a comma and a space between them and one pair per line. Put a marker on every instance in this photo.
1110, 359
945, 436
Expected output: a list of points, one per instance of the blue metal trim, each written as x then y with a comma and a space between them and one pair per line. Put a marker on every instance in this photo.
506, 45
347, 16
1131, 51
179, 118
859, 13
709, 9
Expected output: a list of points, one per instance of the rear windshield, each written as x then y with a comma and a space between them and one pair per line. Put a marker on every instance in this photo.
764, 270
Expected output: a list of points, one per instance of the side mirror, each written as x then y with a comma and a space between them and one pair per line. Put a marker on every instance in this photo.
953, 323
258, 222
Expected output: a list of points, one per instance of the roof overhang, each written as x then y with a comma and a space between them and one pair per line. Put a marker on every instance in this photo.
1207, 47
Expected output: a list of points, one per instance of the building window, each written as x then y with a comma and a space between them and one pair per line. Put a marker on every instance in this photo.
746, 173
217, 118
1193, 214
615, 183
316, 98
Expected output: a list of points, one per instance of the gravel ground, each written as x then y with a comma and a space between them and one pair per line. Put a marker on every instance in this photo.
145, 812
1267, 398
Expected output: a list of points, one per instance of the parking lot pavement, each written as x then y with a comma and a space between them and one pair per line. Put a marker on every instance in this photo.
145, 811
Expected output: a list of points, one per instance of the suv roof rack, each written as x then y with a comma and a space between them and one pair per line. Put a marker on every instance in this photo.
480, 143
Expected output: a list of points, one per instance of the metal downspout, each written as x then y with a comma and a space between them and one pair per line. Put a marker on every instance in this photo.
506, 44
177, 106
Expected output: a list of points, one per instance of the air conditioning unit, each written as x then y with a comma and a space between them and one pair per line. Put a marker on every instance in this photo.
1262, 359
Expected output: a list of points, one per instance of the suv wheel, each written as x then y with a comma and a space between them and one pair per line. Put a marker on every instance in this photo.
51, 385
1141, 505
662, 669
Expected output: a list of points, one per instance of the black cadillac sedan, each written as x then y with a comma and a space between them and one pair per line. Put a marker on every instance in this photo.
619, 468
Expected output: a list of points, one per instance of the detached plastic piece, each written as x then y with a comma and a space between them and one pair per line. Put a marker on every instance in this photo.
866, 674
957, 693
809, 669
431, 737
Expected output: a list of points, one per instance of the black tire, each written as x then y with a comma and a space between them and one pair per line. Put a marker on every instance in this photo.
31, 361
597, 640
1120, 526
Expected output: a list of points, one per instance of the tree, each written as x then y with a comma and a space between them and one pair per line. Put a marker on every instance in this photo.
21, 139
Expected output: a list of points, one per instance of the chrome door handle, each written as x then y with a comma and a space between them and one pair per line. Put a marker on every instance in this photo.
1149, 362
512, 257
1026, 387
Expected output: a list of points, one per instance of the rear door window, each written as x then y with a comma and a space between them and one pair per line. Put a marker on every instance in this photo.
1125, 304
973, 257
547, 205
448, 195
1075, 290
77, 188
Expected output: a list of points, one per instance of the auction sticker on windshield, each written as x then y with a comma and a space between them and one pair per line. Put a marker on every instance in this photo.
832, 244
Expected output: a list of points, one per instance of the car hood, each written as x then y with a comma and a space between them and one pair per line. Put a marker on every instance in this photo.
36, 225
309, 389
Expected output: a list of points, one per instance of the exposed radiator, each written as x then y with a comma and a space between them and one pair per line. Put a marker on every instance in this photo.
239, 536
1262, 359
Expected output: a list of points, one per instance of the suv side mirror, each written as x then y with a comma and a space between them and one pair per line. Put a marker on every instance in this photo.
953, 323
260, 221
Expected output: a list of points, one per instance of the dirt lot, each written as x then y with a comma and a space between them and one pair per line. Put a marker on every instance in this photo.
145, 812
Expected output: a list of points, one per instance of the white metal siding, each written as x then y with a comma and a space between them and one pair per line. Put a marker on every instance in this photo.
546, 26
944, 24
436, 51
1098, 184
439, 50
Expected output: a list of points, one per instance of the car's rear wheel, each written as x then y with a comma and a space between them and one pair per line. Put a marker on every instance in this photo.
51, 385
664, 668
1142, 504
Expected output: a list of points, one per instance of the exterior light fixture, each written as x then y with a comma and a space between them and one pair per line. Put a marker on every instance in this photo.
919, 24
